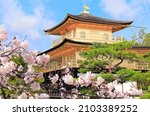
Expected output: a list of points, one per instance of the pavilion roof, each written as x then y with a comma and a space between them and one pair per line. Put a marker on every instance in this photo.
84, 17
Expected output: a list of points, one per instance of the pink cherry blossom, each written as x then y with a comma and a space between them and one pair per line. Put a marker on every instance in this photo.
43, 59
4, 81
99, 81
81, 81
4, 60
68, 79
87, 79
9, 66
30, 69
28, 58
35, 53
24, 44
16, 42
2, 71
7, 49
110, 86
112, 95
135, 92
54, 79
35, 86
3, 34
23, 96
40, 75
41, 96
28, 79
17, 62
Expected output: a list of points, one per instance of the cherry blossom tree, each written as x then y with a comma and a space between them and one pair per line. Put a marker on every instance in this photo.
18, 75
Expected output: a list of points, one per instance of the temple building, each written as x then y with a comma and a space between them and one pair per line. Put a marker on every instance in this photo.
78, 32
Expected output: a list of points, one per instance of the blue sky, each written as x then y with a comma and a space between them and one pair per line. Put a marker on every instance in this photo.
31, 17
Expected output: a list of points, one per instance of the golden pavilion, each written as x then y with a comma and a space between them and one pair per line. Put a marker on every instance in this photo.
78, 32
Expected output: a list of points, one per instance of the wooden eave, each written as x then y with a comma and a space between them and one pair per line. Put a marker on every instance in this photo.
65, 41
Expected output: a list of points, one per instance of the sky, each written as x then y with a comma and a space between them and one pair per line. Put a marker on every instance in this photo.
28, 18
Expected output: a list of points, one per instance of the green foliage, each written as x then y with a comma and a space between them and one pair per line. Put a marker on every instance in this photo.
39, 80
0, 92
15, 81
109, 77
84, 91
101, 56
128, 74
19, 61
149, 88
146, 95
147, 58
142, 79
92, 65
88, 91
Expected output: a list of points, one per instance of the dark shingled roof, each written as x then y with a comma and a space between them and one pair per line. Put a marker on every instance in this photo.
92, 19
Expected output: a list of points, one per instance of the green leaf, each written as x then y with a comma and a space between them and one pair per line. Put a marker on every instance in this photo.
39, 80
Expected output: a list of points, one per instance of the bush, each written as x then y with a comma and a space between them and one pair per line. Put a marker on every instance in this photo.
145, 96
149, 88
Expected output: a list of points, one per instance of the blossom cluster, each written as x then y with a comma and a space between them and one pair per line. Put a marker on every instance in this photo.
18, 75
90, 85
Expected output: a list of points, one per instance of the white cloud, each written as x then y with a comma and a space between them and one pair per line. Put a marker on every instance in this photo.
18, 21
122, 8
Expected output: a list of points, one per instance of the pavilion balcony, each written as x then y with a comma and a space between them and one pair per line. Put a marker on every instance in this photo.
142, 66
136, 65
88, 39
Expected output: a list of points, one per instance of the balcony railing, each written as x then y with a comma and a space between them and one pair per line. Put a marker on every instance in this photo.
91, 38
142, 66
113, 40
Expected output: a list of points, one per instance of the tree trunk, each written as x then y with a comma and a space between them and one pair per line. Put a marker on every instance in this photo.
109, 68
122, 88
